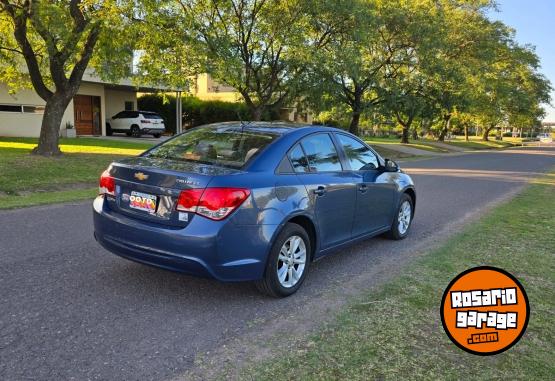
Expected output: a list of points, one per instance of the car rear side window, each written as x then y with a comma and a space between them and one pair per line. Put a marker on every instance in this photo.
321, 153
360, 157
151, 116
298, 159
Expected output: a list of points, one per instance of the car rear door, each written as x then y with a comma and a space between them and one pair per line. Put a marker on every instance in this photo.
331, 190
375, 194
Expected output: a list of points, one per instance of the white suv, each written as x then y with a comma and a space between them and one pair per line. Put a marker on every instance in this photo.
136, 123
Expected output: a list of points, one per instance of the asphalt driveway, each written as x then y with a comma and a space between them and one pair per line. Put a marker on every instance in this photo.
71, 310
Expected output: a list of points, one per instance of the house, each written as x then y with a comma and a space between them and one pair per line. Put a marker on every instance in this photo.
96, 100
204, 87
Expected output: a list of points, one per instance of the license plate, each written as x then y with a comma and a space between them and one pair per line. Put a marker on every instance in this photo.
142, 201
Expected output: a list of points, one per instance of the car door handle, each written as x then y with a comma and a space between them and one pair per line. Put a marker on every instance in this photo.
363, 188
320, 191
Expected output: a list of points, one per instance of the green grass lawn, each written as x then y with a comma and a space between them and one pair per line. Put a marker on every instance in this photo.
27, 180
419, 144
476, 143
395, 332
395, 155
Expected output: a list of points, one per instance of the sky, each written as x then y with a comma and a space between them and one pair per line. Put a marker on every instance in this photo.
534, 23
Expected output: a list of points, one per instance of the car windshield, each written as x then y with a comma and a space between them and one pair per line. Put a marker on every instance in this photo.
228, 146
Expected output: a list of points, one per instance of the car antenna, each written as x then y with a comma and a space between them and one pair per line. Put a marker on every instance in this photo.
243, 123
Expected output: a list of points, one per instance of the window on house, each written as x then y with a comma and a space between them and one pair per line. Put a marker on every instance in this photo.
129, 105
10, 108
33, 109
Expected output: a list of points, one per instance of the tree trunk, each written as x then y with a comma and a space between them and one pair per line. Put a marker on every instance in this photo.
256, 113
50, 127
466, 132
355, 120
405, 135
485, 135
445, 129
405, 127
356, 106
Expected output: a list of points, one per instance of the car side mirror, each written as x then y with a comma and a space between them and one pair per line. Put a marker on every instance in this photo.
390, 166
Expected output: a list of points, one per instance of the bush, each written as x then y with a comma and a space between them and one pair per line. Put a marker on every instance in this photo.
195, 111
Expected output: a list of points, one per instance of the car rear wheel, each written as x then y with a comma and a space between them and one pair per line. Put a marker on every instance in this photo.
109, 131
135, 131
403, 218
156, 135
288, 262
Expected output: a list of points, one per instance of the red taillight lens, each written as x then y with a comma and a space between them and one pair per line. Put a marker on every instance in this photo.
107, 184
189, 199
213, 203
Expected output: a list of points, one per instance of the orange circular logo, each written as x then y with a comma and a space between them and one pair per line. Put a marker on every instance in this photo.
485, 310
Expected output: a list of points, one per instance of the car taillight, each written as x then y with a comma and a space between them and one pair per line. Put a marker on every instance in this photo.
107, 184
213, 203
189, 199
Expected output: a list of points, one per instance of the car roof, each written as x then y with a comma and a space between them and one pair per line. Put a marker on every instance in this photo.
273, 127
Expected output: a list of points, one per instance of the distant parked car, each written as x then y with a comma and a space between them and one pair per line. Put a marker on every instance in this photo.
253, 202
545, 138
136, 123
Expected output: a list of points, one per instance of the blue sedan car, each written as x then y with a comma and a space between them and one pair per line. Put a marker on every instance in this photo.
250, 201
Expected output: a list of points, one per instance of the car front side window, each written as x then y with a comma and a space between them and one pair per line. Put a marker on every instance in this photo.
360, 157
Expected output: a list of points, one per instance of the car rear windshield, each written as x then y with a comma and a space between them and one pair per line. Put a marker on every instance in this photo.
151, 116
224, 146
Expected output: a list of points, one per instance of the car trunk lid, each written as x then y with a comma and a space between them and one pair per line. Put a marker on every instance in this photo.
148, 188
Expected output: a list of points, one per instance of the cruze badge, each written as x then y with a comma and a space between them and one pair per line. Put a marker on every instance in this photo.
141, 176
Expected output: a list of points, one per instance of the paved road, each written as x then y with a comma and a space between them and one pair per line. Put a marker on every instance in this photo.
70, 310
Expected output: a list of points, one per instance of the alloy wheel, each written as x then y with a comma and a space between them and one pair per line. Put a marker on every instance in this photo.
291, 261
405, 215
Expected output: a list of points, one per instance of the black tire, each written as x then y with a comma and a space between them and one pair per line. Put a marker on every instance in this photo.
128, 133
109, 131
156, 135
394, 233
270, 284
135, 131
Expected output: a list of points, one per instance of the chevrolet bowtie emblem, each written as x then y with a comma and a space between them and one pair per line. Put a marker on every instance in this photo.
141, 176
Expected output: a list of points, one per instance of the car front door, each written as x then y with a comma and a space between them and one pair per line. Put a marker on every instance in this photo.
331, 190
375, 194
116, 121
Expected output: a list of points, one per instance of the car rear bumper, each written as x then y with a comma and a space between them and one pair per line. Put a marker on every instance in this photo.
221, 250
153, 130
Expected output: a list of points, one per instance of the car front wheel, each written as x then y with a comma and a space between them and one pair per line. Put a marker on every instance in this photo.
288, 262
403, 218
